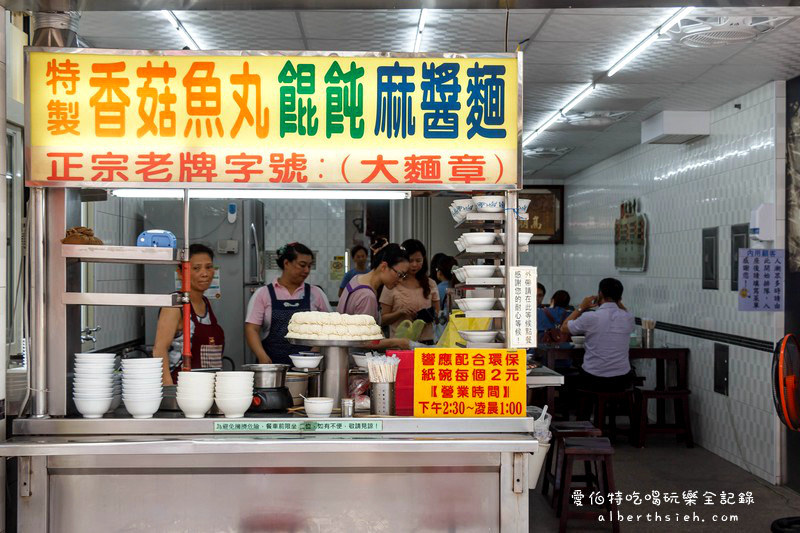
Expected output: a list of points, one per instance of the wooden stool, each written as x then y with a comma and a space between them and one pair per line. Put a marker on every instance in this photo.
682, 425
605, 405
560, 431
591, 450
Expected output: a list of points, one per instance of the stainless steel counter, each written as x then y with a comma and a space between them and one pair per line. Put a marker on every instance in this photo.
175, 424
273, 473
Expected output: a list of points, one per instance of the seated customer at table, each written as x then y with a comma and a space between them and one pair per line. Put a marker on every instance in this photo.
553, 316
606, 367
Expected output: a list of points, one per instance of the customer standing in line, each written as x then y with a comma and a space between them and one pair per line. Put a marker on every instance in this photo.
360, 255
606, 367
415, 297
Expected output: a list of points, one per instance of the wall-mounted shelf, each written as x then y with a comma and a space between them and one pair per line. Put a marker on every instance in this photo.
120, 254
482, 282
488, 251
125, 300
485, 314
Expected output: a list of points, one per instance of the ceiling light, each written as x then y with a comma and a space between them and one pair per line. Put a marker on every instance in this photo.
575, 101
176, 23
420, 27
297, 194
557, 115
674, 19
650, 39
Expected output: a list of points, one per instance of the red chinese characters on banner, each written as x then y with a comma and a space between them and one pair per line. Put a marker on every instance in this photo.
109, 167
62, 165
420, 170
242, 165
469, 383
153, 167
197, 167
288, 169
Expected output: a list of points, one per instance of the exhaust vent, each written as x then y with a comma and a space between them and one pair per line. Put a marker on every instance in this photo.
547, 153
676, 127
711, 32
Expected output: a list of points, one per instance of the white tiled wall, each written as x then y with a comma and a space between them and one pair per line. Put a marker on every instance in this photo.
715, 181
319, 224
118, 222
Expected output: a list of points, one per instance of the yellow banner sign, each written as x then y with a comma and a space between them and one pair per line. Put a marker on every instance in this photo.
467, 383
270, 121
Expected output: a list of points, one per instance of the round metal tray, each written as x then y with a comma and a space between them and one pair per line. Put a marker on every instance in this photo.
333, 343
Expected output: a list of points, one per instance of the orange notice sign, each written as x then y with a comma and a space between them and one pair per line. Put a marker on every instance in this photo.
467, 383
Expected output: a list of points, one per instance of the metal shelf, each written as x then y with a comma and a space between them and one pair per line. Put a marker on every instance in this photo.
117, 299
485, 345
120, 254
489, 251
485, 314
482, 282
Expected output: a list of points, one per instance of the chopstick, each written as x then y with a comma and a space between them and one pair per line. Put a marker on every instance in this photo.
382, 369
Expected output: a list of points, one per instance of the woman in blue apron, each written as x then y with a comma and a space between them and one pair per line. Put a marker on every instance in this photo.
207, 337
271, 307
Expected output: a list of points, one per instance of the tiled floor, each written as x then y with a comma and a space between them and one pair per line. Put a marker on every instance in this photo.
667, 467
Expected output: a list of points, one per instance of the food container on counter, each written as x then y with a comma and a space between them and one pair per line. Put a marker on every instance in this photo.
268, 376
297, 383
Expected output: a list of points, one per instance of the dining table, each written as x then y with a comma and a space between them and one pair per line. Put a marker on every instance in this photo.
567, 358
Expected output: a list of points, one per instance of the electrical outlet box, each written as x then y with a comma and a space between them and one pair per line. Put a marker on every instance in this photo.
721, 368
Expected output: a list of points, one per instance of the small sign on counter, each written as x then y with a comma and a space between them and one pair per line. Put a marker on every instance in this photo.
761, 279
521, 327
469, 382
301, 426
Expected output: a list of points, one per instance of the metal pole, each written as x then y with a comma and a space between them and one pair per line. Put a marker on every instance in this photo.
38, 363
512, 254
3, 236
185, 286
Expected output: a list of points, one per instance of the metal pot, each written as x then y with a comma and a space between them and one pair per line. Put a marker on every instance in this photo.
268, 376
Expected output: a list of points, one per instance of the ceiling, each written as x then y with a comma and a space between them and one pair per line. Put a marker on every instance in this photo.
564, 49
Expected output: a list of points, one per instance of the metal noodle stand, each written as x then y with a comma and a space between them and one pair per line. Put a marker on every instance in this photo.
261, 472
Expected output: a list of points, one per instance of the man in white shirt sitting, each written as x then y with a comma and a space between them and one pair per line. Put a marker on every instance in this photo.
606, 367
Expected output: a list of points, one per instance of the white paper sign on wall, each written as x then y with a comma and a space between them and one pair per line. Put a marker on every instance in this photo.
521, 300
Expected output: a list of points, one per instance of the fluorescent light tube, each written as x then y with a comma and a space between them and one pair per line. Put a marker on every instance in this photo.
420, 27
630, 56
170, 16
575, 101
674, 19
176, 23
295, 194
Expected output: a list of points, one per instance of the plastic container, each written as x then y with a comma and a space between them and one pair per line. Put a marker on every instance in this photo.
535, 463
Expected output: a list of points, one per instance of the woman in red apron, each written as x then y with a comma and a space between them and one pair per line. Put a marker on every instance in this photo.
207, 336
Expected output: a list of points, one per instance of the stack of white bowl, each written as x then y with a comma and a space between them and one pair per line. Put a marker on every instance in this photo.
117, 400
195, 393
142, 389
234, 393
93, 383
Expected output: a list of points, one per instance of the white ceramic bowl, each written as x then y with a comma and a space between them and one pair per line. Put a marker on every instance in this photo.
232, 374
105, 367
93, 408
489, 204
195, 407
482, 238
478, 336
459, 246
502, 302
143, 363
476, 304
93, 395
197, 377
522, 238
194, 388
142, 408
234, 407
306, 361
320, 407
461, 274
579, 340
94, 391
360, 359
464, 203
233, 383
480, 271
105, 363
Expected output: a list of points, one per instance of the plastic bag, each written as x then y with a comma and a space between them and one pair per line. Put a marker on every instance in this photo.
450, 338
357, 385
